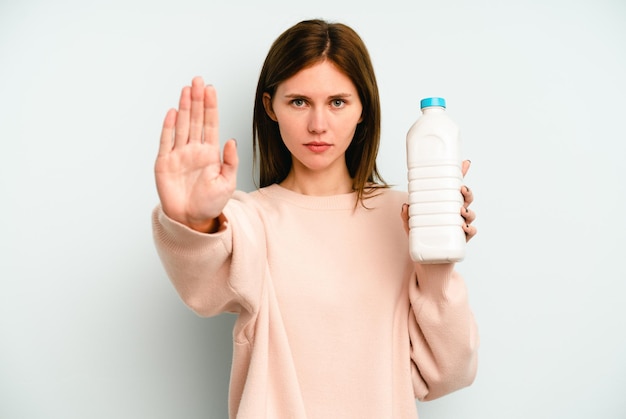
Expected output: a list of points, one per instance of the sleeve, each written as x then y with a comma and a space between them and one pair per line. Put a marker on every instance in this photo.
443, 332
214, 273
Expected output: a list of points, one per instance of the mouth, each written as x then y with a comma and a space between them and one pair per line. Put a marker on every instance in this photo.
318, 147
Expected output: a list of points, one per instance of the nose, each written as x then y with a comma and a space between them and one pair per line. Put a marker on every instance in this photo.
318, 123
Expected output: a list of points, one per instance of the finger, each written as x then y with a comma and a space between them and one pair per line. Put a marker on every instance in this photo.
231, 162
470, 231
182, 120
196, 114
468, 215
404, 214
211, 116
465, 166
468, 196
167, 133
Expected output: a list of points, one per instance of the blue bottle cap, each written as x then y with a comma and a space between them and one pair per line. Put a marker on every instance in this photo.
432, 101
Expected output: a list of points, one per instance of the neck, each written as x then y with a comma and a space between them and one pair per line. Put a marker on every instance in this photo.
318, 183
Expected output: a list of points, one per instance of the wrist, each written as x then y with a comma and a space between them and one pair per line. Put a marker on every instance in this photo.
210, 226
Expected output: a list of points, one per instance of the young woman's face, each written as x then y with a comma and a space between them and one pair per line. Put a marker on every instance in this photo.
317, 111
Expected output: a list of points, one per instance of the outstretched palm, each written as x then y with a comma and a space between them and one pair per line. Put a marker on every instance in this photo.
193, 182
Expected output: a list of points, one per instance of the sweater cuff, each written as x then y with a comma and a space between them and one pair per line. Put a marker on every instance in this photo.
183, 240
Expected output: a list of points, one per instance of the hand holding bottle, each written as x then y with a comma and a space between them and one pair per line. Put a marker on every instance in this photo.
468, 215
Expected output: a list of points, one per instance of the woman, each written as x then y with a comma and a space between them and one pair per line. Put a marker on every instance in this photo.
334, 319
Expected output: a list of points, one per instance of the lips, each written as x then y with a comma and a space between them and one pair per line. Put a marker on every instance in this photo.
318, 147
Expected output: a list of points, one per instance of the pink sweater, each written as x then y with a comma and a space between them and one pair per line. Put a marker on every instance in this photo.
334, 319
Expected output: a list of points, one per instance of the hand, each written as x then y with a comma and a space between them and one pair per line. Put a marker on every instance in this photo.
193, 183
468, 215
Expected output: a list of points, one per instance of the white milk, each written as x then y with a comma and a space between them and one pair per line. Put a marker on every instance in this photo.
435, 179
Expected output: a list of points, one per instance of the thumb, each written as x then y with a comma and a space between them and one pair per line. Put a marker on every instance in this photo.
404, 214
231, 160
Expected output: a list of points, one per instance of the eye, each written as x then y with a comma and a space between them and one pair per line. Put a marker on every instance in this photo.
338, 103
298, 103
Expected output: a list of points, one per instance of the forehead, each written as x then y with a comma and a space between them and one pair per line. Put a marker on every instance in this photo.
323, 78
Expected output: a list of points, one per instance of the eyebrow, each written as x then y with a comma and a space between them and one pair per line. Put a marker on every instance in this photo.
298, 96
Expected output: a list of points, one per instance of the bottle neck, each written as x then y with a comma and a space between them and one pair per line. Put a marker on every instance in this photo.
433, 109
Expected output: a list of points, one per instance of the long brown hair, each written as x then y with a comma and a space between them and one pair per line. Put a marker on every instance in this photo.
303, 45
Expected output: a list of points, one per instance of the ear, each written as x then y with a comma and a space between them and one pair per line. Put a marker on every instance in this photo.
267, 104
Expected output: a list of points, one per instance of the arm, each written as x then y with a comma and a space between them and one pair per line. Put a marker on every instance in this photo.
194, 187
196, 263
443, 332
442, 328
209, 272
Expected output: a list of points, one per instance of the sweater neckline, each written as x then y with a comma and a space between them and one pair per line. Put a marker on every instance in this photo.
329, 202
